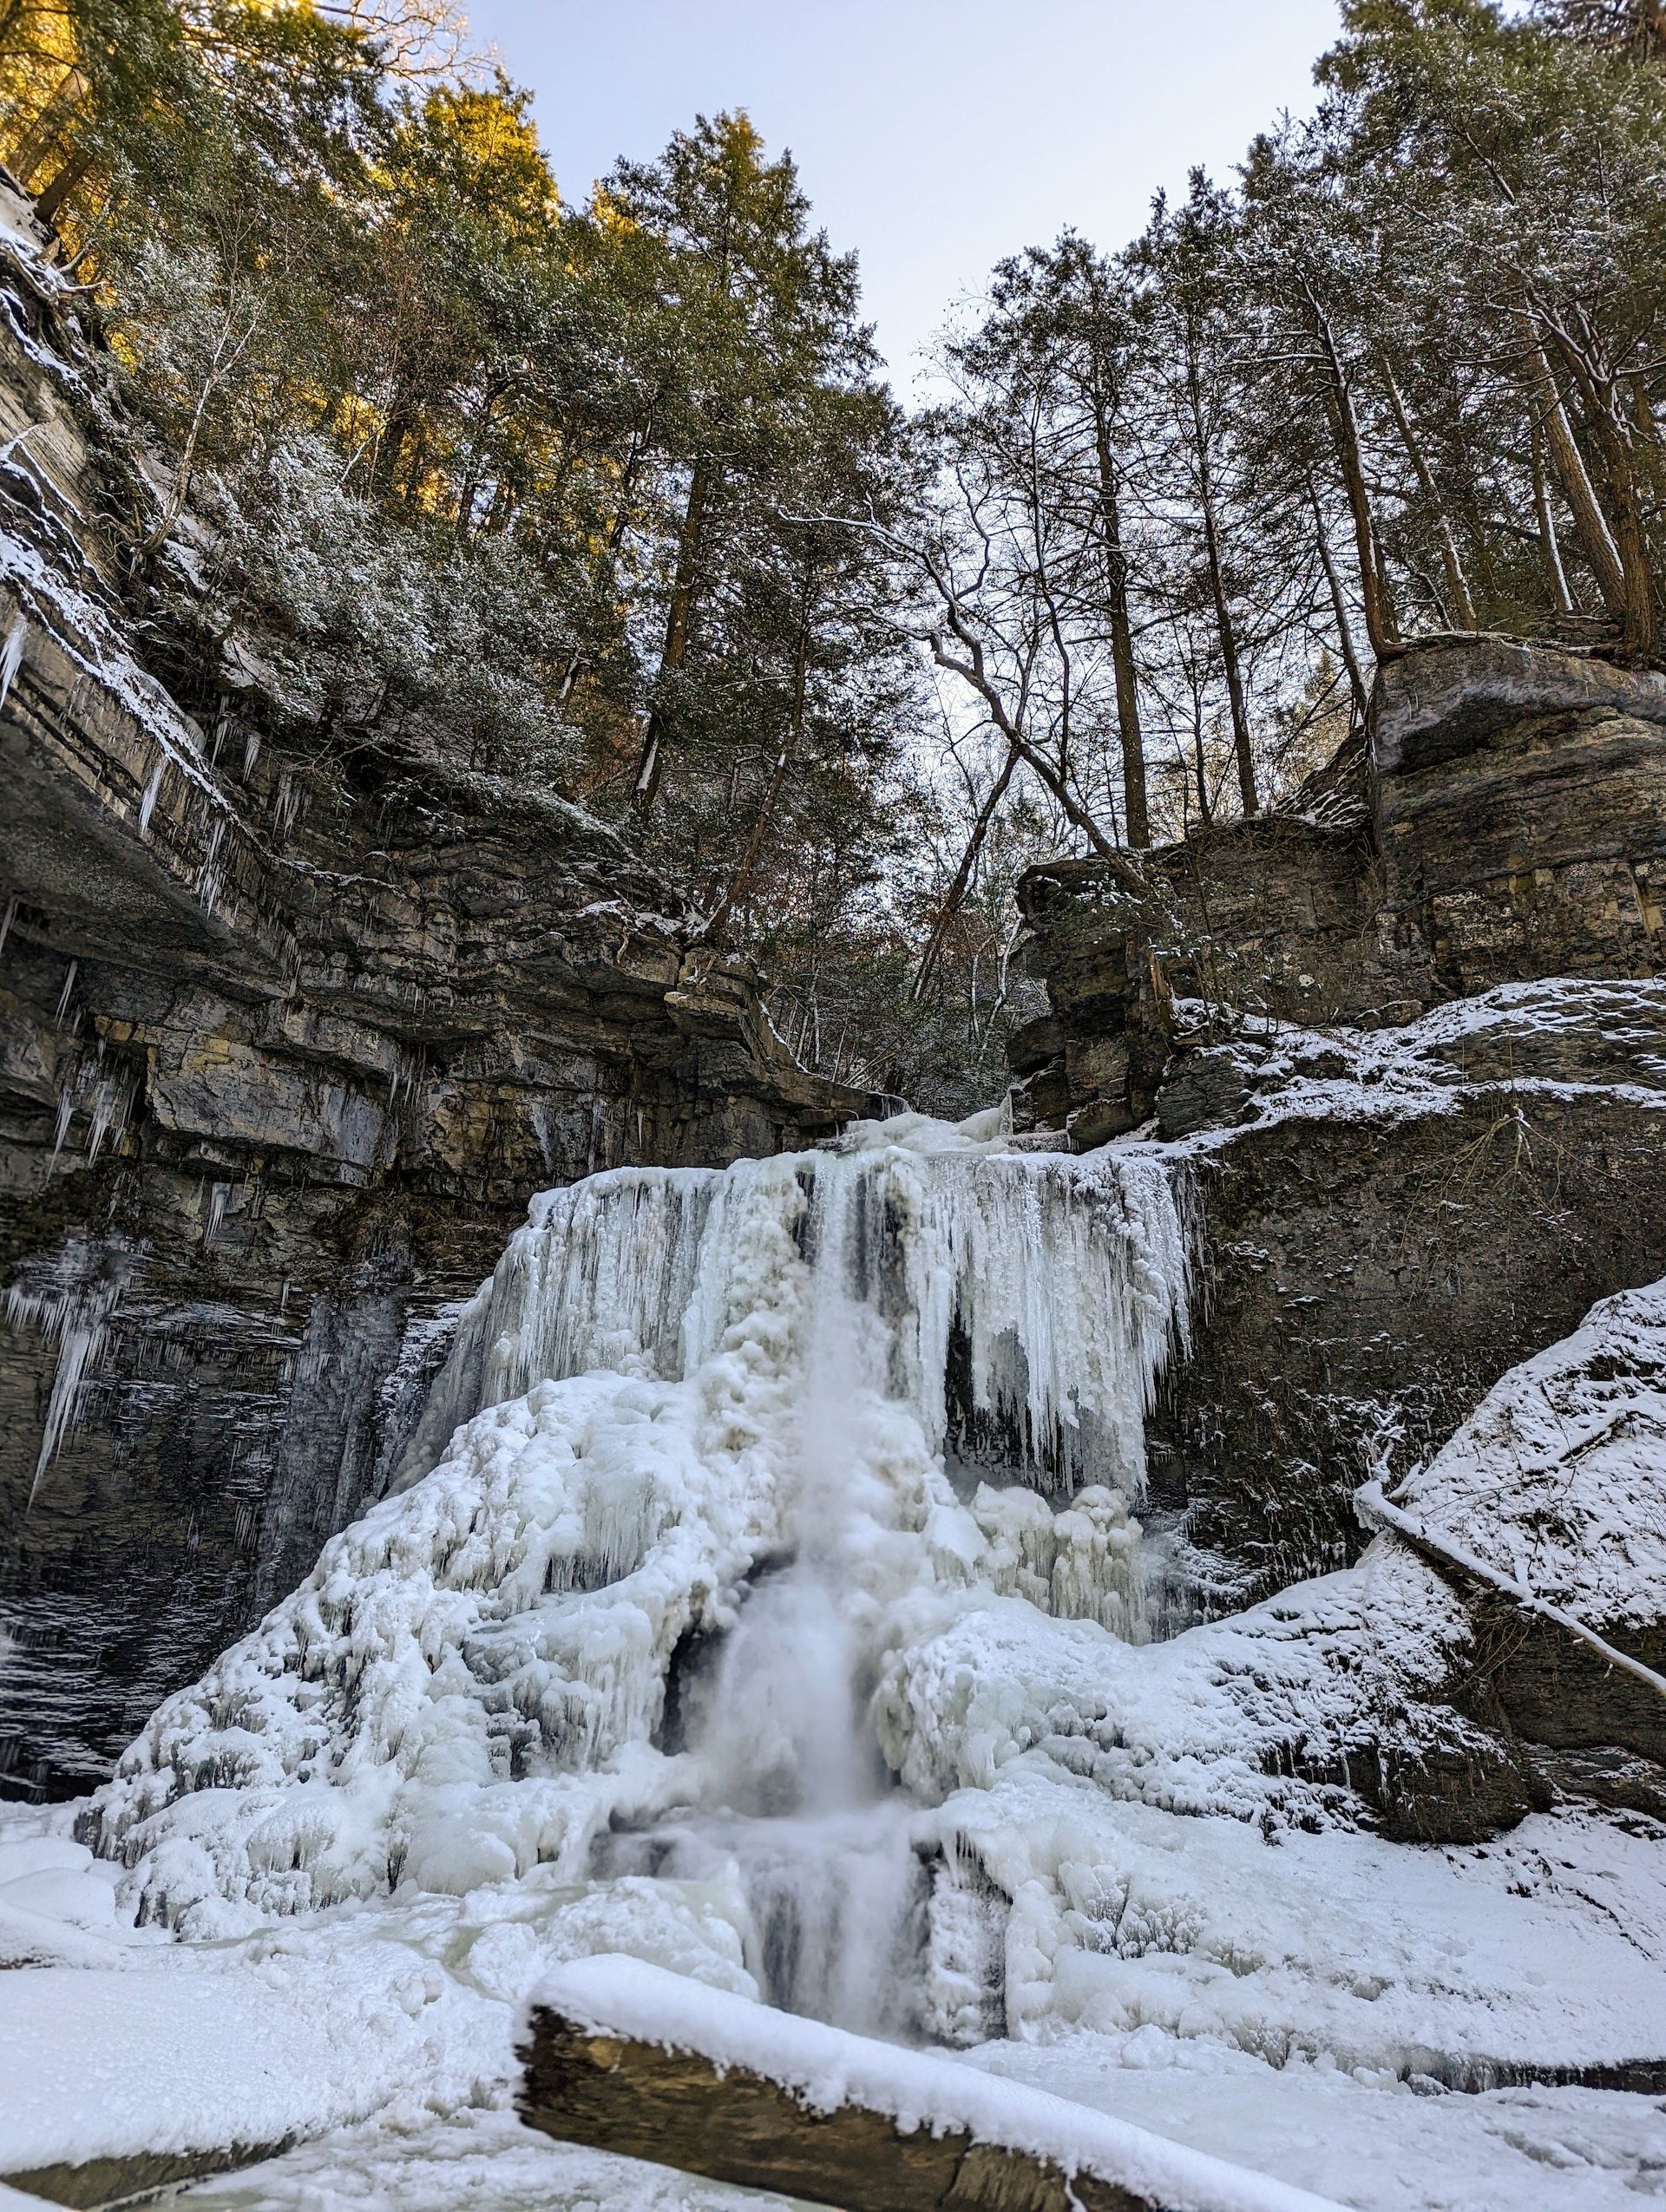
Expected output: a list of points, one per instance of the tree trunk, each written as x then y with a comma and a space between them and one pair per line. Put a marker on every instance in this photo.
1356, 683
1590, 523
679, 621
974, 671
49, 206
44, 134
1135, 811
955, 896
1374, 594
740, 881
617, 524
1245, 757
1457, 582
1558, 575
399, 428
666, 2087
1630, 536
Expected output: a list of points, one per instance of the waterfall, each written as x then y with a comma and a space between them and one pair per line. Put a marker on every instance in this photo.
707, 1447
1060, 1282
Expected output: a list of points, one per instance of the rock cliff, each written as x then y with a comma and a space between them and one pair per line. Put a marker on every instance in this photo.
284, 1050
1407, 1044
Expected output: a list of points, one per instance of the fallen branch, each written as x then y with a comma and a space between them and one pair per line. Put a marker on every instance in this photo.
1376, 1511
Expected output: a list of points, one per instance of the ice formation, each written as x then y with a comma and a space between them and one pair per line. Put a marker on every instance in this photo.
71, 1296
1061, 1322
630, 1625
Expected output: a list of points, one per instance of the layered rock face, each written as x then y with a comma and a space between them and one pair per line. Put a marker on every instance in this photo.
1506, 821
282, 1056
1409, 1044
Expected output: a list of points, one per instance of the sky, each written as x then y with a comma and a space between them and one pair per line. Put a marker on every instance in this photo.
932, 136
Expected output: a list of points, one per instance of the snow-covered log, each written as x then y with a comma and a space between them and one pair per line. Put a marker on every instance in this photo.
624, 2057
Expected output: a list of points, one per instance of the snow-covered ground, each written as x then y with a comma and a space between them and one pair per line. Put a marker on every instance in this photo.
641, 1663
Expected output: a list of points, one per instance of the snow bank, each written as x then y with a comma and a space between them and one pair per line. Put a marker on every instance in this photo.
486, 2160
1213, 1721
1542, 1949
1370, 2140
132, 2044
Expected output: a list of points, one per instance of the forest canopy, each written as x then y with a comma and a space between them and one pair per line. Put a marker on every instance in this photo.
456, 459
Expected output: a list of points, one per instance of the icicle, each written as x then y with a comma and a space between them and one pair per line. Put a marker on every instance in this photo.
107, 1114
6, 920
11, 654
1059, 1283
218, 1194
66, 1114
73, 1314
153, 789
69, 985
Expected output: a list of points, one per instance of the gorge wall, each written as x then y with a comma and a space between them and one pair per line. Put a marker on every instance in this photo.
286, 1043
283, 1052
1409, 1038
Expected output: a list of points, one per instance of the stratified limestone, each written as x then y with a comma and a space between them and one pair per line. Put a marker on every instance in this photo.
1411, 1035
1506, 823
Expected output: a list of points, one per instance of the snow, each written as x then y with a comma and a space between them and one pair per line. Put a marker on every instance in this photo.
770, 1597
1540, 1949
825, 2067
1231, 1717
129, 2045
1556, 1038
1367, 2140
1558, 1481
82, 630
485, 2159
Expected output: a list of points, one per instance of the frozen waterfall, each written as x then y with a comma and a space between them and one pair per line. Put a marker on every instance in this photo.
1031, 1292
710, 1450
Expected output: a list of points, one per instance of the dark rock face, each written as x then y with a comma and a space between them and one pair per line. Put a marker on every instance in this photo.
1407, 1048
1374, 1253
1520, 811
281, 1060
